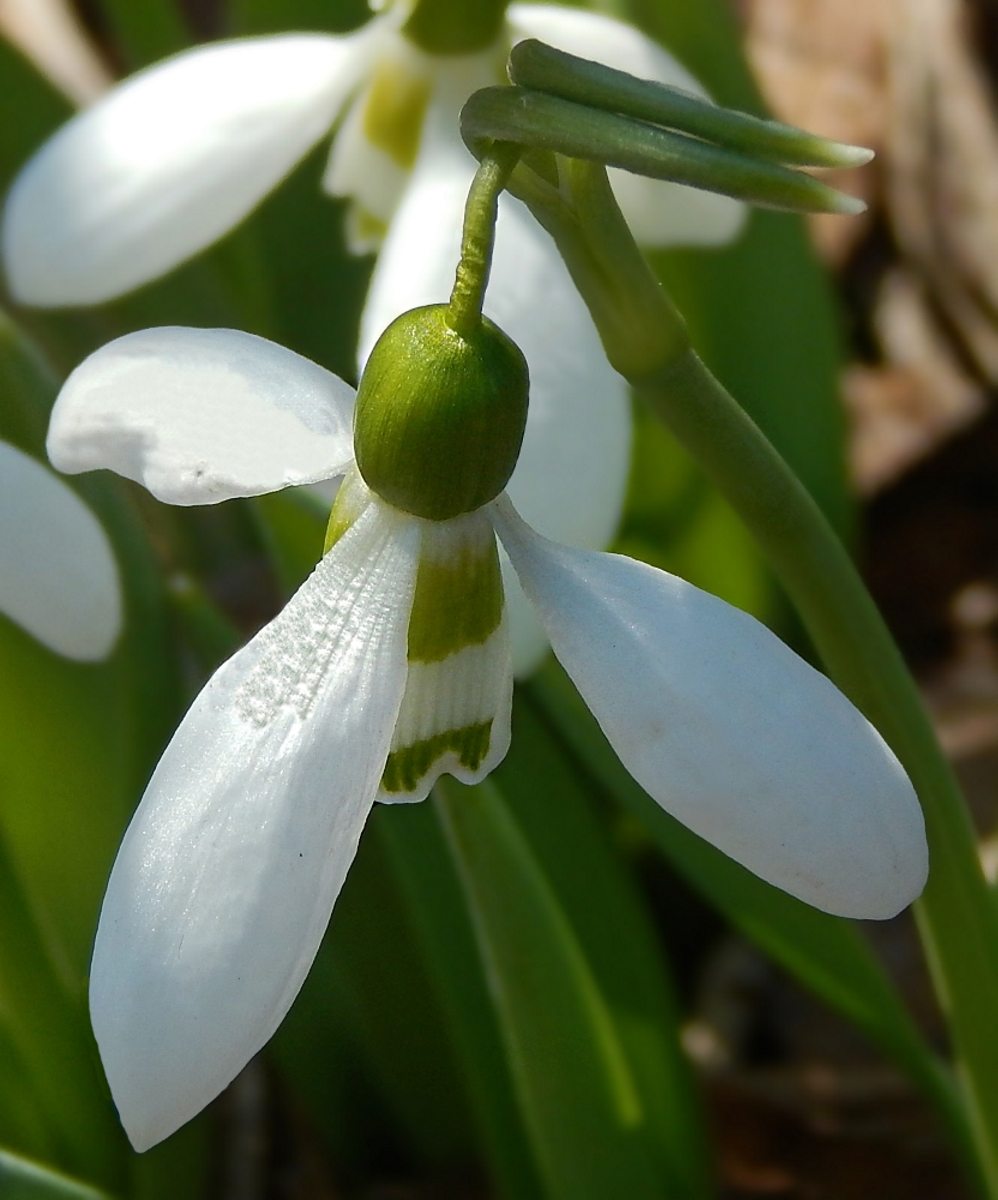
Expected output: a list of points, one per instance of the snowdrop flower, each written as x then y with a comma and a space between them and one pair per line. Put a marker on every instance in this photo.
391, 665
170, 160
58, 577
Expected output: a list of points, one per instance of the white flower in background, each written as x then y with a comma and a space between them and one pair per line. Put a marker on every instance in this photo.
170, 160
389, 666
58, 577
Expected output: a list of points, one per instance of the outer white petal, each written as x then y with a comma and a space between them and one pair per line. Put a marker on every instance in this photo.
728, 729
170, 160
659, 213
224, 883
202, 415
572, 473
58, 578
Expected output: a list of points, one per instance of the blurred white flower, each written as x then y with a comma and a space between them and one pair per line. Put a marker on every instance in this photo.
58, 577
389, 666
171, 159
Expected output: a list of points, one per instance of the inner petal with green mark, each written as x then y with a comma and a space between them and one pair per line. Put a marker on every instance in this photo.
456, 708
376, 146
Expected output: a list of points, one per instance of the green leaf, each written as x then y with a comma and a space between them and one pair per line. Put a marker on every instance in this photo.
77, 741
370, 984
762, 317
48, 1027
276, 16
146, 31
579, 1098
676, 520
21, 1179
30, 109
828, 954
424, 868
554, 809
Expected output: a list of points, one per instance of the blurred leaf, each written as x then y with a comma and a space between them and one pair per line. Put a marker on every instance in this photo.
21, 1179
763, 319
146, 31
23, 1127
369, 998
424, 867
676, 520
548, 799
277, 16
30, 109
77, 741
828, 954
319, 287
293, 525
579, 1098
49, 1028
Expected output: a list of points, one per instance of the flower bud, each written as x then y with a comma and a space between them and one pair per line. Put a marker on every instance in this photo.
440, 414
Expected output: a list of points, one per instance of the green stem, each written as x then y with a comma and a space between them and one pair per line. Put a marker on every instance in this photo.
478, 239
957, 916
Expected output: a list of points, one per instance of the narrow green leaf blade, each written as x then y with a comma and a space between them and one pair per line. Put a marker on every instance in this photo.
826, 953
414, 838
554, 808
21, 1179
571, 1074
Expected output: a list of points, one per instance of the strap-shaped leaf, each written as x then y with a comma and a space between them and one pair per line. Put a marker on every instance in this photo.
826, 953
147, 31
549, 798
572, 1077
21, 1179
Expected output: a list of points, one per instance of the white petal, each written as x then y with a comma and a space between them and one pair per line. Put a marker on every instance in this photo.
170, 160
659, 213
202, 415
58, 577
224, 883
572, 473
728, 729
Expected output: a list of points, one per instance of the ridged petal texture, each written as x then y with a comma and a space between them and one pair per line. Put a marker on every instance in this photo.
203, 415
455, 714
572, 472
58, 576
728, 729
224, 883
169, 161
659, 213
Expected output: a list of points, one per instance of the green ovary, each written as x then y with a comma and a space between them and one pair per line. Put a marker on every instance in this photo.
407, 766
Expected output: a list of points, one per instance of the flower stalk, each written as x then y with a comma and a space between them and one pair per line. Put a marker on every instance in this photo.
464, 312
956, 915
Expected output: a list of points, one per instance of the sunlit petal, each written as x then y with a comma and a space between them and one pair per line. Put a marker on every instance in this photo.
167, 162
202, 415
659, 213
58, 578
227, 875
572, 472
728, 729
